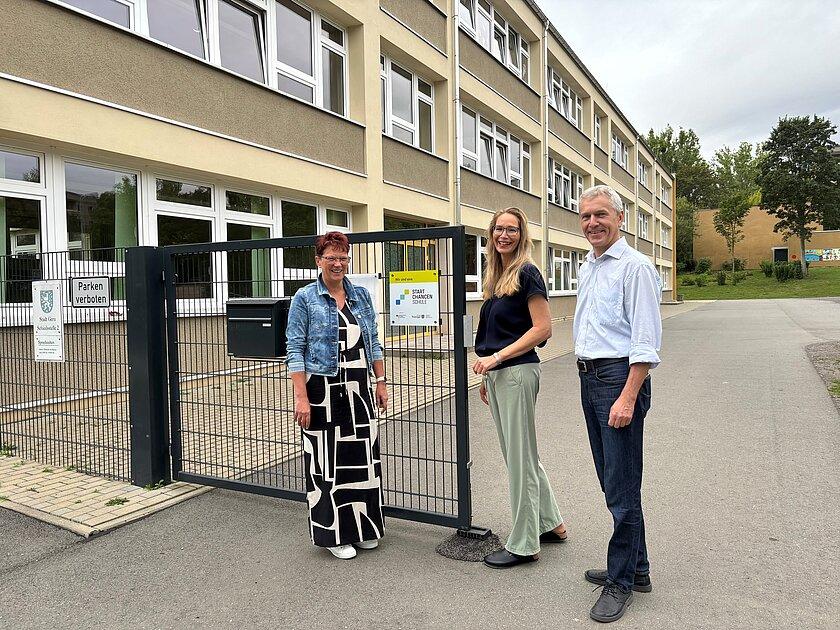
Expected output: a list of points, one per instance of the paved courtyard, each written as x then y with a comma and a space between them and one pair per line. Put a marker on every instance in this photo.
741, 494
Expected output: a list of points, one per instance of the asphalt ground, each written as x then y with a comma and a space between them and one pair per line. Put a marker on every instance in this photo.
741, 498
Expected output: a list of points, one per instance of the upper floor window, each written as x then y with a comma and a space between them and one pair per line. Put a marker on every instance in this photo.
625, 221
643, 173
665, 193
644, 222
619, 152
407, 105
310, 56
565, 265
597, 130
564, 186
664, 235
488, 148
494, 34
565, 100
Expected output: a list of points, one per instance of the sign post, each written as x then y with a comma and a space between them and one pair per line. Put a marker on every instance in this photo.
47, 321
415, 298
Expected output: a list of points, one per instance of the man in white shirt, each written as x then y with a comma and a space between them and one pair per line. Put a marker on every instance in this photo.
617, 334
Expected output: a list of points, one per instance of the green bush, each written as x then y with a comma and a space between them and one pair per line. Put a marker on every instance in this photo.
785, 271
721, 278
701, 280
796, 270
739, 265
766, 268
738, 276
704, 265
688, 281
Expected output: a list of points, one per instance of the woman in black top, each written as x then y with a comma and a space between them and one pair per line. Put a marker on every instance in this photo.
514, 320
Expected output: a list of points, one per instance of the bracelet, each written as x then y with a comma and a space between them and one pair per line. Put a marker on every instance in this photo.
498, 358
381, 379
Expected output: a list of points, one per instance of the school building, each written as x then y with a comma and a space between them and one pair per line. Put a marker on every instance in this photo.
157, 122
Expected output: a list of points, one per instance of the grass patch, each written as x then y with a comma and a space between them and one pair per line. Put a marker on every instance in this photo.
155, 486
2, 498
7, 450
116, 501
48, 470
834, 388
821, 282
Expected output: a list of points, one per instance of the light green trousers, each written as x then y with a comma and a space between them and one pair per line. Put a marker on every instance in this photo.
512, 393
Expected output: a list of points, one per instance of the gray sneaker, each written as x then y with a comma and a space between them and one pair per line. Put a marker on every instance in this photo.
612, 604
641, 583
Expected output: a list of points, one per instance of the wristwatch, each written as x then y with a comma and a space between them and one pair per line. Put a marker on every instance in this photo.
381, 379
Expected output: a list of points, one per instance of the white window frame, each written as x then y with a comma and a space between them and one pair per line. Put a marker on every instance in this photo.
477, 277
133, 13
643, 173
565, 101
597, 129
643, 223
571, 185
570, 261
500, 139
665, 234
619, 152
517, 66
625, 222
665, 193
417, 97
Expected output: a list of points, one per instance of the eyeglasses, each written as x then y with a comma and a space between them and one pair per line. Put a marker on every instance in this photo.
510, 231
336, 259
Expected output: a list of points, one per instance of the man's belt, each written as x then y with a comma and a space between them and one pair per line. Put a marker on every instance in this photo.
590, 365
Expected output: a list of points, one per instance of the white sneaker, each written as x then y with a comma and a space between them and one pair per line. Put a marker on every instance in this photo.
367, 544
343, 552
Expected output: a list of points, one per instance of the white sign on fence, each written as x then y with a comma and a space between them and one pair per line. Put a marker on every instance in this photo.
415, 298
90, 292
47, 321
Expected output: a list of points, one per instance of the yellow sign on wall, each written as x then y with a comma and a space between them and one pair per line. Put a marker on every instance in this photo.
415, 298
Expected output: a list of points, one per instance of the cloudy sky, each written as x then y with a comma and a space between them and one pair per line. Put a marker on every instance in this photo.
726, 68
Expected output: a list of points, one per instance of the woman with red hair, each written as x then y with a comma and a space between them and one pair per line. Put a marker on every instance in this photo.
333, 350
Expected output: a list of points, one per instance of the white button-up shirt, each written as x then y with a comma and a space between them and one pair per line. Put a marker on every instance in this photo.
617, 313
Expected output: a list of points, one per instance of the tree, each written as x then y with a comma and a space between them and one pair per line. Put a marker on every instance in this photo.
681, 156
736, 191
686, 225
798, 176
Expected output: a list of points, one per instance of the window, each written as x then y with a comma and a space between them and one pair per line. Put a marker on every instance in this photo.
665, 193
499, 155
643, 173
665, 235
179, 23
625, 221
249, 204
20, 241
565, 266
20, 167
181, 192
664, 278
565, 100
407, 105
101, 207
311, 57
619, 152
597, 127
494, 34
564, 186
476, 261
248, 270
117, 11
299, 269
241, 47
644, 220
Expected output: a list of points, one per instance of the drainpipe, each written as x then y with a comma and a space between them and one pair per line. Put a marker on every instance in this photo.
456, 81
546, 174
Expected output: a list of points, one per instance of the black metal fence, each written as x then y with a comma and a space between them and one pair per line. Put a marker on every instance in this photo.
73, 412
232, 418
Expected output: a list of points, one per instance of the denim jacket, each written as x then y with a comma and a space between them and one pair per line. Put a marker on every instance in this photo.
312, 329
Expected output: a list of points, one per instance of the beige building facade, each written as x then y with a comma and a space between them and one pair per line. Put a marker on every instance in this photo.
131, 122
762, 243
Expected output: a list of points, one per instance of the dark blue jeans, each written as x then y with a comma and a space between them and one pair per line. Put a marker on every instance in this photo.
618, 461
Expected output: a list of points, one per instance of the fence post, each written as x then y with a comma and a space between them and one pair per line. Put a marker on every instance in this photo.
147, 401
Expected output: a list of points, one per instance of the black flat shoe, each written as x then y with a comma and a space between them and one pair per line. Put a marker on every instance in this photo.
553, 537
504, 559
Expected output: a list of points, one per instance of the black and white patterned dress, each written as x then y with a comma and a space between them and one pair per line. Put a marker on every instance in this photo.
341, 447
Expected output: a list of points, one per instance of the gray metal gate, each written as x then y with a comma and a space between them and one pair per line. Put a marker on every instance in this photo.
232, 421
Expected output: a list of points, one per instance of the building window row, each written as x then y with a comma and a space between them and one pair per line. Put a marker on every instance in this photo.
489, 149
644, 224
665, 193
407, 105
664, 277
280, 43
565, 100
625, 221
94, 210
620, 154
597, 130
493, 33
665, 235
564, 186
643, 170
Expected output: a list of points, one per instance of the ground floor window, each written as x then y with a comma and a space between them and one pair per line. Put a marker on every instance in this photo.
476, 263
